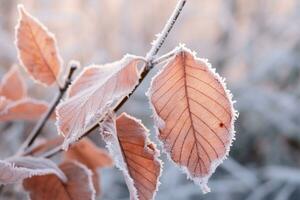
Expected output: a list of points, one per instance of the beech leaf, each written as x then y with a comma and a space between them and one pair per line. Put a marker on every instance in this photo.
24, 109
78, 187
87, 153
92, 93
16, 169
12, 85
37, 49
194, 113
134, 154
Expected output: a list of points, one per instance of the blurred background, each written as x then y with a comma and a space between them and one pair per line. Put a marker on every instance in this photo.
255, 44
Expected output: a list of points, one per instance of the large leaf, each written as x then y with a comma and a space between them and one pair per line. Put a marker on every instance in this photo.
24, 109
18, 168
194, 114
137, 157
78, 187
37, 49
12, 85
95, 89
87, 153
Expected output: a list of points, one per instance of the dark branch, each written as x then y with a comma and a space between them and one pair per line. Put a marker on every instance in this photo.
39, 126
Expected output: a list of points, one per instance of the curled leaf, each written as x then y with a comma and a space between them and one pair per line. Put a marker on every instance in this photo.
37, 49
87, 153
24, 109
94, 90
18, 168
137, 157
194, 114
78, 187
12, 85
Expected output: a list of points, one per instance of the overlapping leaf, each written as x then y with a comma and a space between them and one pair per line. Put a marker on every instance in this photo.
18, 168
87, 153
127, 140
194, 114
12, 85
37, 49
78, 187
25, 109
91, 94
14, 103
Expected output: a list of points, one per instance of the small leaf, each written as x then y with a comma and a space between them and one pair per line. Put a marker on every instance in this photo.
92, 93
37, 49
137, 157
78, 187
194, 114
12, 85
18, 168
24, 109
87, 153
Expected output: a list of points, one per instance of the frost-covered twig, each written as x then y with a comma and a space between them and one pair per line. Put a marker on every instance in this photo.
163, 58
157, 44
149, 65
39, 126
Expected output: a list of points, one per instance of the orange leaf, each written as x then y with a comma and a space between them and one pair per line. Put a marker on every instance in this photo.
87, 153
12, 85
92, 93
24, 109
194, 114
15, 169
78, 187
37, 49
137, 157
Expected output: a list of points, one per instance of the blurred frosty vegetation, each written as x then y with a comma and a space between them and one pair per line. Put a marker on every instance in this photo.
255, 44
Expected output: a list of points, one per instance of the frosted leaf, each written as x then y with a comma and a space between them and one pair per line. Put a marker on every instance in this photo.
92, 93
137, 157
87, 153
12, 85
24, 109
37, 49
78, 187
16, 169
194, 114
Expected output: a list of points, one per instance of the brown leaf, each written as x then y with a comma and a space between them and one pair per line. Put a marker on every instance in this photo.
87, 153
194, 114
37, 49
137, 157
78, 187
24, 109
92, 93
18, 168
12, 85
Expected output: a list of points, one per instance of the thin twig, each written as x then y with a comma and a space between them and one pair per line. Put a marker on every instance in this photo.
39, 126
164, 58
149, 65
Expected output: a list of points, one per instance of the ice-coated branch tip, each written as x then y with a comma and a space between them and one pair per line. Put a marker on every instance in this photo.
157, 44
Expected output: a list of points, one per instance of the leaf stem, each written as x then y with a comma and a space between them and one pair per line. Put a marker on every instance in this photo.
148, 66
39, 126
